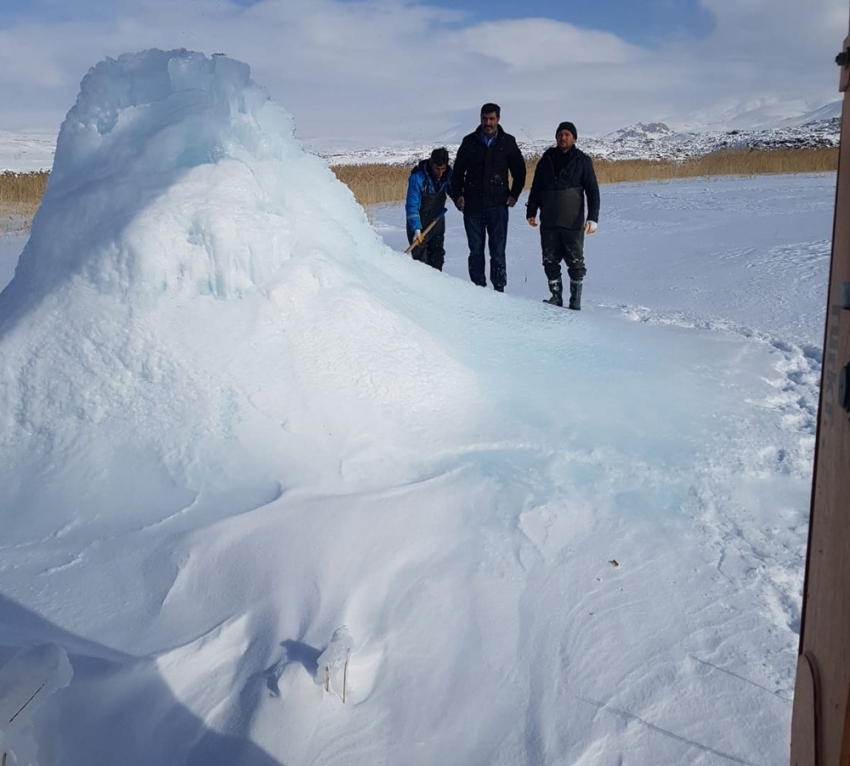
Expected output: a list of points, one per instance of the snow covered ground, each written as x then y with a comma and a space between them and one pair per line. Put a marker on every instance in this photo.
233, 421
26, 152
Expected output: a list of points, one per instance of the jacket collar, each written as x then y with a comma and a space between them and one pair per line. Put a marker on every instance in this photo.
479, 134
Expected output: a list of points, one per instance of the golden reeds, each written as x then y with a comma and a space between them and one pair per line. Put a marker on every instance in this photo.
20, 193
730, 162
22, 188
20, 196
376, 184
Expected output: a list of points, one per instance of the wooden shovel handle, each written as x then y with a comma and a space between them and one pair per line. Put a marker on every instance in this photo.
426, 230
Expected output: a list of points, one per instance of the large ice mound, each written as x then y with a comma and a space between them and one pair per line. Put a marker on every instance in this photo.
175, 173
198, 294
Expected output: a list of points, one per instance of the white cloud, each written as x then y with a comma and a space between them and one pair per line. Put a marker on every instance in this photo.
786, 26
540, 44
361, 73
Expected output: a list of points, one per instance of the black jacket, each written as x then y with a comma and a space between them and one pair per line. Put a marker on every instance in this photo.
481, 171
561, 182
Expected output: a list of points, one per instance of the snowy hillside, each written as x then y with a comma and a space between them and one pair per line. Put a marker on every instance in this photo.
253, 460
817, 128
653, 141
640, 141
657, 141
829, 111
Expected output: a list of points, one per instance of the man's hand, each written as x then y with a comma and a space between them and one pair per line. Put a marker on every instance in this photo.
459, 204
590, 227
417, 238
533, 222
511, 202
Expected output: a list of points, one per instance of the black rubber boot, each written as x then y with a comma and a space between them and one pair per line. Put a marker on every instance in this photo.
557, 288
575, 295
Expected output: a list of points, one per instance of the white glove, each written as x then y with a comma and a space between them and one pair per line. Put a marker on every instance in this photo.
590, 227
417, 237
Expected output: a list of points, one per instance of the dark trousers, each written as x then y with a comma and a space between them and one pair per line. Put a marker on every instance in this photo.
433, 250
490, 223
563, 245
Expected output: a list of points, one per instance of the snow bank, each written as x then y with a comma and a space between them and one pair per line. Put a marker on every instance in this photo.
26, 683
232, 421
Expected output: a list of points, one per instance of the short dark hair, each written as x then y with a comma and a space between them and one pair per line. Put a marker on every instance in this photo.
489, 108
440, 156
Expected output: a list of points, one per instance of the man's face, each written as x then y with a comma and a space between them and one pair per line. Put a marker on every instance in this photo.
437, 170
565, 140
489, 121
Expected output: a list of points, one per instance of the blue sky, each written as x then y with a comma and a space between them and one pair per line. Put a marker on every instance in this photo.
646, 23
361, 73
649, 22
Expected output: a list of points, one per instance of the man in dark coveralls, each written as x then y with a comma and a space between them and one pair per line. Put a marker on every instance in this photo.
427, 188
564, 176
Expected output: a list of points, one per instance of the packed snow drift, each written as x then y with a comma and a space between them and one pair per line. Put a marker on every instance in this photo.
243, 439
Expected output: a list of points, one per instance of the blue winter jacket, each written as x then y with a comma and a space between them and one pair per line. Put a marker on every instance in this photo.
425, 199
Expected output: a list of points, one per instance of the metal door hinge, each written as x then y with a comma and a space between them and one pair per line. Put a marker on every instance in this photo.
843, 60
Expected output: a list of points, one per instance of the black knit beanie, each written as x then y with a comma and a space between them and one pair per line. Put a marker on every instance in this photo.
567, 126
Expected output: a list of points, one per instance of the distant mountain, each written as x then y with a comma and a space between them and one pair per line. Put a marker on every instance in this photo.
453, 135
640, 141
641, 132
654, 140
637, 143
758, 114
830, 111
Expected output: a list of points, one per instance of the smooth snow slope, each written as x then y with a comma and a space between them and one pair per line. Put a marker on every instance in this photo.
233, 422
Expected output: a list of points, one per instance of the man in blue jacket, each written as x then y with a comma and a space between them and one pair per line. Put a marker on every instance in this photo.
427, 188
483, 192
564, 176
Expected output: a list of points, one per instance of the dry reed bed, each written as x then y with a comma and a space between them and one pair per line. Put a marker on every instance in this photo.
376, 184
22, 188
20, 193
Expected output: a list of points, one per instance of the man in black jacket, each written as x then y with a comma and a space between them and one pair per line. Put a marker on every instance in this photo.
564, 176
481, 191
